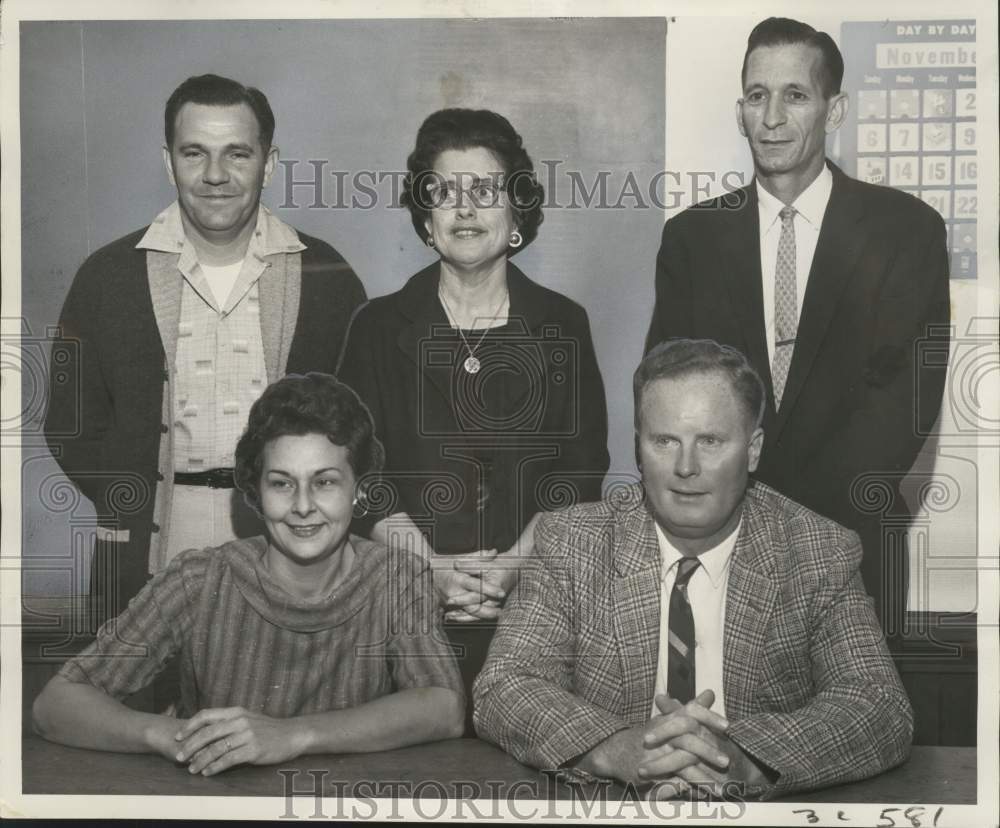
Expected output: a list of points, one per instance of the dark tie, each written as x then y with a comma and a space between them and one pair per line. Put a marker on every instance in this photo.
786, 314
680, 632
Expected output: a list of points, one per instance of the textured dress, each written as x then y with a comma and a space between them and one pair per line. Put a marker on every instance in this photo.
242, 640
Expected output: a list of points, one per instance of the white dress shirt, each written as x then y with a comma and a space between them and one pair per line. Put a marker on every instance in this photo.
707, 595
810, 207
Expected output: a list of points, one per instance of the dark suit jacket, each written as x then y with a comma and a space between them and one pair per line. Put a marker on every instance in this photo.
809, 686
868, 370
549, 444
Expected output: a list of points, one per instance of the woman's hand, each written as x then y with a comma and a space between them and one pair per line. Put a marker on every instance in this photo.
502, 572
220, 737
496, 574
159, 736
463, 588
499, 573
472, 586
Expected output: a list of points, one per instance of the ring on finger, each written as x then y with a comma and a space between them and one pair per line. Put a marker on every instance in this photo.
228, 746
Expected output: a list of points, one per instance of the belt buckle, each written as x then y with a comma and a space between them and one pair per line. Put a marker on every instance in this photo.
220, 479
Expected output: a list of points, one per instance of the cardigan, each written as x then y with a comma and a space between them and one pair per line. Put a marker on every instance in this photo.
244, 641
110, 383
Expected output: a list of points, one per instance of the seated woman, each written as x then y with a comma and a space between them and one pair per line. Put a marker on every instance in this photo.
308, 640
483, 384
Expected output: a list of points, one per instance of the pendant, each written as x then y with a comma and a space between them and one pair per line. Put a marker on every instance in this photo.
472, 365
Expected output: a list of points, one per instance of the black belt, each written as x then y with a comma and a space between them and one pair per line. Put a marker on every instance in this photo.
213, 478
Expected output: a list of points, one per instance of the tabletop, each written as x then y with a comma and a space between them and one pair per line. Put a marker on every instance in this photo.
460, 768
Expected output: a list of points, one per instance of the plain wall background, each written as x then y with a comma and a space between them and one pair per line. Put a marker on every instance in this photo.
586, 95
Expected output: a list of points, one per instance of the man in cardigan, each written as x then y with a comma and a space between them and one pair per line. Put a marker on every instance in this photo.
178, 329
830, 286
695, 630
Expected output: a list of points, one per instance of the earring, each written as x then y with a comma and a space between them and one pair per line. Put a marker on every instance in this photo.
430, 240
516, 240
360, 508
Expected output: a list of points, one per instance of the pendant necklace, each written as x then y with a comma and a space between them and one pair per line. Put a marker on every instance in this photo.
471, 364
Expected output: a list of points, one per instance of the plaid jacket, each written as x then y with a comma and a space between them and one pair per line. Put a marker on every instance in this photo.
810, 688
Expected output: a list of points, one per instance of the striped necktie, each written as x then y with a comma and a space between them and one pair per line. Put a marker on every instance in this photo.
786, 315
680, 632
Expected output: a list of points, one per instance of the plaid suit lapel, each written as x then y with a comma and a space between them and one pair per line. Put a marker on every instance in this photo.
750, 600
636, 608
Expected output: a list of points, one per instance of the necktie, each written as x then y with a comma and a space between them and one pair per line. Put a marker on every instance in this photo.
786, 317
680, 632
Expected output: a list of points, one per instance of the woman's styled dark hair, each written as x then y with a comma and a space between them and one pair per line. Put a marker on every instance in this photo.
310, 404
462, 129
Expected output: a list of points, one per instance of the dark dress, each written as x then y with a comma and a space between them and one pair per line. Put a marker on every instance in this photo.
472, 457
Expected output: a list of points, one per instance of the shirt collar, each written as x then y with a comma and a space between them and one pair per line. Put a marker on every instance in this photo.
271, 235
811, 203
715, 560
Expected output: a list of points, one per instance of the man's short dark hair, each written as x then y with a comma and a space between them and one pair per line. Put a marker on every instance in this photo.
297, 404
783, 31
681, 358
215, 90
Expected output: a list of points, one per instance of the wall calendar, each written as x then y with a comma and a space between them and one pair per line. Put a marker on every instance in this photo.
912, 119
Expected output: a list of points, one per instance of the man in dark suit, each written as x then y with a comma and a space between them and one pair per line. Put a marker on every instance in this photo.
739, 613
829, 286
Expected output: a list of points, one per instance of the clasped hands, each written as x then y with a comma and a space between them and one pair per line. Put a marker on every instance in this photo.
217, 738
686, 748
473, 586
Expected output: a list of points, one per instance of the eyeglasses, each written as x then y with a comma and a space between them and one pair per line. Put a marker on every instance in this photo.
483, 192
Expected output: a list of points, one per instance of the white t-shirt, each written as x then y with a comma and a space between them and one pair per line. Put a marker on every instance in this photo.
221, 279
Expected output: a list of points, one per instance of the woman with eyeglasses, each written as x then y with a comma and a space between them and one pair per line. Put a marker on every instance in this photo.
483, 384
303, 640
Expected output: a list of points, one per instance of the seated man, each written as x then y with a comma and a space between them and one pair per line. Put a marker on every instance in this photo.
700, 629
